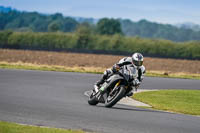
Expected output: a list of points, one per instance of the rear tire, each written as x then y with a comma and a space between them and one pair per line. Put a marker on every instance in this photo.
92, 99
116, 98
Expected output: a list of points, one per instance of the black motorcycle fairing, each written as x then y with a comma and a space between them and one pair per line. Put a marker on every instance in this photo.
111, 81
115, 87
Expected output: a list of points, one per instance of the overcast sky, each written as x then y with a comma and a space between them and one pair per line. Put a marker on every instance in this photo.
162, 11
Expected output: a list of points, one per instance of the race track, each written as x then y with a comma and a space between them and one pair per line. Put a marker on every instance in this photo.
57, 99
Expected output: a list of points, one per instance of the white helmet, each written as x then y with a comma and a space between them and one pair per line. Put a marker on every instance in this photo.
137, 59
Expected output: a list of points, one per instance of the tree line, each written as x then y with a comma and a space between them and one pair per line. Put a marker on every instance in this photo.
84, 39
36, 22
147, 29
33, 21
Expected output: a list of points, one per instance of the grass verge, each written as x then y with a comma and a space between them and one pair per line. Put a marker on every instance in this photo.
29, 66
180, 101
173, 75
97, 70
7, 127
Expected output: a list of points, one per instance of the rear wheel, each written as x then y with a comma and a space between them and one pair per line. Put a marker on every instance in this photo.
92, 99
114, 97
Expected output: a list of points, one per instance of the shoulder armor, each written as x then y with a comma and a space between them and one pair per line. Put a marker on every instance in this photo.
129, 59
125, 59
122, 60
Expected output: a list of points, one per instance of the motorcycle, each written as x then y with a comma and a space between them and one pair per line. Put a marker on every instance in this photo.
116, 87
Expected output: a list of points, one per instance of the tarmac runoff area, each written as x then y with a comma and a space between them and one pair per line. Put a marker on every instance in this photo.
127, 100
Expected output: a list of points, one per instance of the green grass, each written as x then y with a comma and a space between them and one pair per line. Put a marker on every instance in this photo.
175, 75
6, 127
28, 66
180, 101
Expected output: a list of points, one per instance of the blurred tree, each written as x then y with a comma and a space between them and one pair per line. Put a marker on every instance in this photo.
56, 16
4, 37
84, 32
69, 24
54, 26
109, 26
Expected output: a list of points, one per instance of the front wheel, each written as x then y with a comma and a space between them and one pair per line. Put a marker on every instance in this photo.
112, 99
92, 99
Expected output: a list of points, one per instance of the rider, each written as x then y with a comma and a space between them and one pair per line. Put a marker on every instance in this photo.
136, 60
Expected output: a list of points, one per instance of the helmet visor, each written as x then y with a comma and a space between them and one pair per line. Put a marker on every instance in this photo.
138, 63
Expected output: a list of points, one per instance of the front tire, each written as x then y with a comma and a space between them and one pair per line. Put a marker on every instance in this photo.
92, 99
111, 101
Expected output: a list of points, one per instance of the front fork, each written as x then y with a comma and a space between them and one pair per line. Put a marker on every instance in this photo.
101, 93
116, 85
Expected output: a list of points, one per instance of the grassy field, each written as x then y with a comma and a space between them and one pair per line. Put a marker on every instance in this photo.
59, 61
97, 70
181, 101
6, 127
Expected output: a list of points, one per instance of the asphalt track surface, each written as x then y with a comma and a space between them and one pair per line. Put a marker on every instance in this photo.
57, 99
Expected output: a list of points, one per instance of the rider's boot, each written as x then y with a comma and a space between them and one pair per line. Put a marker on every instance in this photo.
106, 74
101, 81
98, 84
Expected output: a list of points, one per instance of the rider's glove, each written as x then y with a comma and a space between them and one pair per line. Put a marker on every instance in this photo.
136, 82
115, 68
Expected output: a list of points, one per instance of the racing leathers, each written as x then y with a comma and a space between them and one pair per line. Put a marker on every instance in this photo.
116, 67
